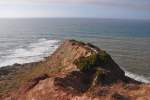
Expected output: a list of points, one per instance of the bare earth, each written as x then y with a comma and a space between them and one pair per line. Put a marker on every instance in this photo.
60, 78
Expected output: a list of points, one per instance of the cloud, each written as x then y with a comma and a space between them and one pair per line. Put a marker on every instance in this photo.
76, 8
129, 4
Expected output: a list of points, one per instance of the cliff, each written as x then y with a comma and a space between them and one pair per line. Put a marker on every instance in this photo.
77, 71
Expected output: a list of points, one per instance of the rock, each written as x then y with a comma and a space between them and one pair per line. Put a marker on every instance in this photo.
117, 96
80, 71
102, 64
31, 83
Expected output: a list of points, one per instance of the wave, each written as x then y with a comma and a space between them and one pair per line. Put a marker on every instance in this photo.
137, 77
33, 52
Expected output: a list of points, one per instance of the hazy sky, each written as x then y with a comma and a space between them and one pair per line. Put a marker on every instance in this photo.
126, 9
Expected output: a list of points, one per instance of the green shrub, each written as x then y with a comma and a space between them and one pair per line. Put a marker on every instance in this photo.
86, 63
94, 60
104, 57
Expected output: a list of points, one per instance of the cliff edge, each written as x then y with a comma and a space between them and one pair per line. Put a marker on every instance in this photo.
79, 71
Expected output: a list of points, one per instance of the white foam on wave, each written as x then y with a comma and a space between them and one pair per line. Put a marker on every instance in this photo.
33, 52
137, 77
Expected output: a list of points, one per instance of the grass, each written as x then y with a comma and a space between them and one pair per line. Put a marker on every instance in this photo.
19, 77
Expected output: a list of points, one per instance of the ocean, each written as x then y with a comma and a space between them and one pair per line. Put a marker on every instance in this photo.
32, 39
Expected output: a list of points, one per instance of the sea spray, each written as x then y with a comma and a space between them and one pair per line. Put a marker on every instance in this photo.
33, 52
137, 77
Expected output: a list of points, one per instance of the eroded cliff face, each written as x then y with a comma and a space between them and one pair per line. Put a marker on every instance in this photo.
81, 71
66, 54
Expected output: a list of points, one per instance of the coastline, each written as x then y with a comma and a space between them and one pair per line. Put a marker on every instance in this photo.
58, 75
12, 76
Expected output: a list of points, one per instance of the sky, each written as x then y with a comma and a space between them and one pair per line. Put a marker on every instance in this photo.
122, 9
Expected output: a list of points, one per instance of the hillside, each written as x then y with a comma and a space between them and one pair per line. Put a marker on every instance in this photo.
75, 71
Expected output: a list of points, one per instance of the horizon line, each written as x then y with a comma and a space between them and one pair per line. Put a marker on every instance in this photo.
72, 18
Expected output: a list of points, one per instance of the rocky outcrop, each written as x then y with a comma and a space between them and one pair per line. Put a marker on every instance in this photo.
81, 71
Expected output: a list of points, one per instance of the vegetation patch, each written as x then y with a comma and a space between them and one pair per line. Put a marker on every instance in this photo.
88, 63
77, 42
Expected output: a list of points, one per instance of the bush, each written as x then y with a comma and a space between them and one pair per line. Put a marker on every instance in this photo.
94, 60
86, 63
104, 57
